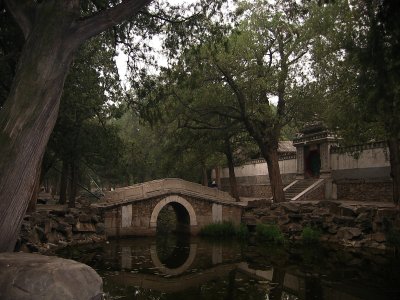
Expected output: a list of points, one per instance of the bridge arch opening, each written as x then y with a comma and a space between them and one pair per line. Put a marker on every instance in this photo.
185, 215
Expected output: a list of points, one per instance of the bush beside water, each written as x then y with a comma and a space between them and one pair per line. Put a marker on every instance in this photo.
225, 229
270, 233
310, 235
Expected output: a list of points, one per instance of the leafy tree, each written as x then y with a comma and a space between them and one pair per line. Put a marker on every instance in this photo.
379, 77
359, 69
143, 149
91, 84
237, 77
195, 128
53, 31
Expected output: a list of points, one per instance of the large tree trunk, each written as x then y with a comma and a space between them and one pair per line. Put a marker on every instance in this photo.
394, 149
231, 167
232, 181
53, 31
270, 155
27, 120
275, 178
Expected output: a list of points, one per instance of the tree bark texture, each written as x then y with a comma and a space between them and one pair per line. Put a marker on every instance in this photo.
275, 176
53, 31
271, 156
231, 167
27, 120
394, 149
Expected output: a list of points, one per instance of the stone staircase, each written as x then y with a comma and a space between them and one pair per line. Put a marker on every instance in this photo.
299, 186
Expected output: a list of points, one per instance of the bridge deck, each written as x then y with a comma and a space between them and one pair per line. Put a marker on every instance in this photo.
156, 188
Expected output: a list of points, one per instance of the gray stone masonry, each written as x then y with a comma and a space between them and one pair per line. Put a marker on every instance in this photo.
354, 224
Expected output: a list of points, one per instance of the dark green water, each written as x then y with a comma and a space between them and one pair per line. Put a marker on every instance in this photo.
169, 267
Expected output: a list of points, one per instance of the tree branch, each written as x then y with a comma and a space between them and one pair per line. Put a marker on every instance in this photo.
297, 58
236, 90
166, 19
23, 12
97, 23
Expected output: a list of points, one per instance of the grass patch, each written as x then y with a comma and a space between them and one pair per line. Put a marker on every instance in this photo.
270, 233
242, 232
224, 229
310, 235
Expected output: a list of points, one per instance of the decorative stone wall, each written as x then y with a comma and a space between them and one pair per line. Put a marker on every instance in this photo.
355, 226
252, 177
364, 190
255, 186
256, 191
258, 167
359, 172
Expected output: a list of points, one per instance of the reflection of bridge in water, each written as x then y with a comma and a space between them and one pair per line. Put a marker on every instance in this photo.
190, 273
167, 269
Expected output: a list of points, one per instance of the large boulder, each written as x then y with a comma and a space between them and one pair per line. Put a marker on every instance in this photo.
33, 276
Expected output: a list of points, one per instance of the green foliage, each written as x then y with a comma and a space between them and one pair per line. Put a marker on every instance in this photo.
224, 230
242, 232
83, 136
11, 42
357, 83
310, 235
269, 233
225, 88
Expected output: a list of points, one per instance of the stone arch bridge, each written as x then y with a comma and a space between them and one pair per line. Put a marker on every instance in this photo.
133, 210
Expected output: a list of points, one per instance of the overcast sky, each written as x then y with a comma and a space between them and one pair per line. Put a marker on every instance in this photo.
121, 59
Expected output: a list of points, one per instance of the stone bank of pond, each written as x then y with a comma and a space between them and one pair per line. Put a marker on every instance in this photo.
171, 267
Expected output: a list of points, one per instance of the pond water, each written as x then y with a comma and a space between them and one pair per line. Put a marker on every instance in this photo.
176, 267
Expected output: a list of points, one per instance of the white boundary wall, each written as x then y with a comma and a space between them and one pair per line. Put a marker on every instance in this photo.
260, 168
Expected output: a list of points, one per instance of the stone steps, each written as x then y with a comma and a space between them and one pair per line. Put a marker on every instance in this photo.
298, 188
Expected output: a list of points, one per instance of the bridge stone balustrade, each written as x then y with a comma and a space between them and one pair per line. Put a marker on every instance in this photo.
158, 187
134, 210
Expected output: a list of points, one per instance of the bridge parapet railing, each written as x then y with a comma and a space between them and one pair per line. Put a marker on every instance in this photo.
158, 187
179, 184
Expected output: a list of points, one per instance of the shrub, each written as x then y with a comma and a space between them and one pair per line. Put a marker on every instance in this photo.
225, 229
270, 233
242, 232
310, 235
